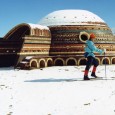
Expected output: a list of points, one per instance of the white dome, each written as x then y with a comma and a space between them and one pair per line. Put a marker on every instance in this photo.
70, 17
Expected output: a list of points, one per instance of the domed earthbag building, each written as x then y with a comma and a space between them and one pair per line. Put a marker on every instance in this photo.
57, 40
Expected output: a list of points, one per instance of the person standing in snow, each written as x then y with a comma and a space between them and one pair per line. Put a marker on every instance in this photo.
91, 60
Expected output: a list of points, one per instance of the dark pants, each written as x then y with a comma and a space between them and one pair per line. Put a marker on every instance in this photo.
91, 61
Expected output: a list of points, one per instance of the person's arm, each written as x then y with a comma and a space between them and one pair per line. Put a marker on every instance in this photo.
94, 48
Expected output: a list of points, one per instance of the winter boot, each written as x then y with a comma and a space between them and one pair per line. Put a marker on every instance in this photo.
93, 74
86, 78
86, 75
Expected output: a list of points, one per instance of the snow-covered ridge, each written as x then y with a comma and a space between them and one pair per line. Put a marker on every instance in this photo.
38, 26
33, 26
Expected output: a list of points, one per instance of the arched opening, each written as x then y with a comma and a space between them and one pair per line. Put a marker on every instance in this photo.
105, 61
98, 60
82, 62
113, 61
83, 36
42, 64
13, 42
18, 32
49, 63
58, 62
71, 62
33, 64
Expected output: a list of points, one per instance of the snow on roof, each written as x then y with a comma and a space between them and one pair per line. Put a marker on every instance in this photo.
24, 62
29, 57
69, 17
38, 26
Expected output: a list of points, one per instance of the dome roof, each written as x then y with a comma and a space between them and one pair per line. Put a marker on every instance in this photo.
70, 17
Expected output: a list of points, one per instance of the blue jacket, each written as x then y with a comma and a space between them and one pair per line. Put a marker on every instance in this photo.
91, 48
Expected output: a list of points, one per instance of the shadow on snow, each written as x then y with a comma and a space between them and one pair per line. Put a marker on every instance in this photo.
69, 80
52, 80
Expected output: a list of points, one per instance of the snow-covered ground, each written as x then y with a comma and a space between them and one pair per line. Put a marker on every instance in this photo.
57, 91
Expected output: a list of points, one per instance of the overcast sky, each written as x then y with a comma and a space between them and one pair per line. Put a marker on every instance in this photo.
14, 12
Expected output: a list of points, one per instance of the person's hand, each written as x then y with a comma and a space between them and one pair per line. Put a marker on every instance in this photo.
104, 50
